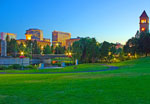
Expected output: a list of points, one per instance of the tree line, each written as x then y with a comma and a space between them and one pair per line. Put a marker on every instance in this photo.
86, 50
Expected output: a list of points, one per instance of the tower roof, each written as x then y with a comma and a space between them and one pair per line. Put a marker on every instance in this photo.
144, 14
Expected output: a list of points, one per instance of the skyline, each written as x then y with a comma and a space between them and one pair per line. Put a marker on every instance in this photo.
112, 21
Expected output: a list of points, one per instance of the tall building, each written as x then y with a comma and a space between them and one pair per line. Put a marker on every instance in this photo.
4, 35
144, 22
59, 38
34, 34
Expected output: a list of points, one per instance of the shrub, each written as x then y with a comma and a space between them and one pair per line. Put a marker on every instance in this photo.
31, 67
3, 67
14, 66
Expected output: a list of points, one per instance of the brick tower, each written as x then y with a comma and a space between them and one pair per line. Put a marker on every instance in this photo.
144, 22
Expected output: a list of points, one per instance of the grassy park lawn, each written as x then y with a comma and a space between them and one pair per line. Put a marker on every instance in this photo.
127, 85
81, 67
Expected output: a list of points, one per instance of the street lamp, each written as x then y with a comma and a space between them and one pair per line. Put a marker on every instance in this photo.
22, 56
22, 53
69, 54
24, 45
57, 44
31, 53
109, 54
129, 54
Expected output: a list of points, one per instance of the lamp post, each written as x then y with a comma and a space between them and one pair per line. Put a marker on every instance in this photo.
129, 54
57, 44
69, 54
31, 53
22, 56
109, 54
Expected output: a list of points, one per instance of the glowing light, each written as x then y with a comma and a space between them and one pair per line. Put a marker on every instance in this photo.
29, 38
70, 53
57, 44
129, 54
67, 54
143, 29
22, 53
143, 21
24, 45
109, 53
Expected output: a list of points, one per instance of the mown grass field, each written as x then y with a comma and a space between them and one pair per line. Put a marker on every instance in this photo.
130, 84
78, 68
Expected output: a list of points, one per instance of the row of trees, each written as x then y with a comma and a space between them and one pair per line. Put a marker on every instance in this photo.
89, 50
30, 47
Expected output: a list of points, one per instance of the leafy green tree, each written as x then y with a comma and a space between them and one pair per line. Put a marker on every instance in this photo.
60, 50
35, 48
12, 47
104, 50
132, 46
47, 50
92, 56
86, 50
144, 42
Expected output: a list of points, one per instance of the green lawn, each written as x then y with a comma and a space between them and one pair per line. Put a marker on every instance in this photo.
127, 85
81, 67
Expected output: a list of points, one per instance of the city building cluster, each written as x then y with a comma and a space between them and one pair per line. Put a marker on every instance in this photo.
58, 38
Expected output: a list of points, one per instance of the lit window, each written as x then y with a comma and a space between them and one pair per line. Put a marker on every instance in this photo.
143, 29
28, 37
143, 21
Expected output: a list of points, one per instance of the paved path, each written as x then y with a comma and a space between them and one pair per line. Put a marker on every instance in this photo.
108, 69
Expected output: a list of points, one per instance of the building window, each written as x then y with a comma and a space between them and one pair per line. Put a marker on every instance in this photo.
143, 29
143, 21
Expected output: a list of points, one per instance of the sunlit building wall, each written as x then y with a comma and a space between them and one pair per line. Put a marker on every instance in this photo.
34, 34
4, 35
69, 42
59, 38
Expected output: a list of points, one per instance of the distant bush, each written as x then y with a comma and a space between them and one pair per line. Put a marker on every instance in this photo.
57, 64
31, 67
3, 67
14, 66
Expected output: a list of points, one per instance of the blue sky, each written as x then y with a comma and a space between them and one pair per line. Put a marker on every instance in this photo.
109, 20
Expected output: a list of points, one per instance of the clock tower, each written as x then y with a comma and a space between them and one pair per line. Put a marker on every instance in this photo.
144, 22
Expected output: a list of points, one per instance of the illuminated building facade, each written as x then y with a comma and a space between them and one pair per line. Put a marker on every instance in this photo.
69, 42
144, 22
59, 38
34, 34
4, 35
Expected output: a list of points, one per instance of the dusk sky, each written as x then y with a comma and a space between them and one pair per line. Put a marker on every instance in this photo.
109, 20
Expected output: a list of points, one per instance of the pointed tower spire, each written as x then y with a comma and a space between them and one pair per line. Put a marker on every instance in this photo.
144, 14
